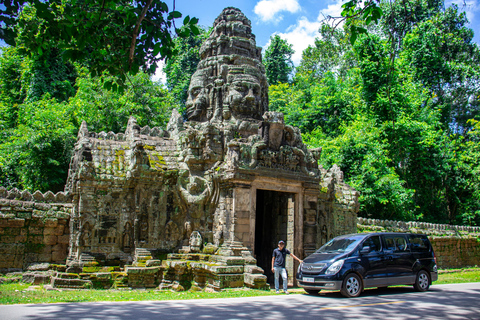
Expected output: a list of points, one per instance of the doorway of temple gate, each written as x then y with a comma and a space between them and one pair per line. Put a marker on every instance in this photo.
273, 222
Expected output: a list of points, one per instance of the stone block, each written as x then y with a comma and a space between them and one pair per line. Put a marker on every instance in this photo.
140, 270
49, 231
242, 228
227, 281
45, 257
59, 230
21, 239
12, 231
71, 283
65, 239
50, 240
51, 223
8, 257
59, 256
7, 239
153, 263
35, 230
16, 223
38, 266
36, 239
225, 269
253, 269
256, 281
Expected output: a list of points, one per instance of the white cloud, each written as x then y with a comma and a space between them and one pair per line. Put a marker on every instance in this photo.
303, 33
268, 9
471, 7
159, 74
333, 10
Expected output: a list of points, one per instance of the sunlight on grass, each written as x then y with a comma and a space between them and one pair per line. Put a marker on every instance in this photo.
14, 293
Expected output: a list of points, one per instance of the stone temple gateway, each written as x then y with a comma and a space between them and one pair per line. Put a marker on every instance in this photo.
207, 199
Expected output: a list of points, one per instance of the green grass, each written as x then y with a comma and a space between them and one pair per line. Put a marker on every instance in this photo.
17, 293
458, 276
14, 293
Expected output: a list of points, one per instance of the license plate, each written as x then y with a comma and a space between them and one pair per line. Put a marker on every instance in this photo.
308, 279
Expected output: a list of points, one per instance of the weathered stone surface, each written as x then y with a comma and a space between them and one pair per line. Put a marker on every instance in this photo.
71, 283
195, 188
256, 281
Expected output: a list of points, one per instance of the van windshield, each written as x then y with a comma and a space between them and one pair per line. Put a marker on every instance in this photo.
340, 245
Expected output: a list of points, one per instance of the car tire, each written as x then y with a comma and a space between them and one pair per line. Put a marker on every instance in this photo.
422, 281
311, 291
351, 286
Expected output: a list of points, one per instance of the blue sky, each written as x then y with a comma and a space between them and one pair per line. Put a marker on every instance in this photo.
297, 21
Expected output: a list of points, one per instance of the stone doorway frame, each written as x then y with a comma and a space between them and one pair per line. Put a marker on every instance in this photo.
245, 197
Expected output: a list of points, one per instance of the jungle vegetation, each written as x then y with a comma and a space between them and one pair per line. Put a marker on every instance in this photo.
392, 96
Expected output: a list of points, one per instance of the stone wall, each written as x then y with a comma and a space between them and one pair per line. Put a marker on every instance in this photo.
454, 246
34, 228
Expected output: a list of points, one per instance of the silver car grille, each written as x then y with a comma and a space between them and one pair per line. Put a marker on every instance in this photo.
313, 268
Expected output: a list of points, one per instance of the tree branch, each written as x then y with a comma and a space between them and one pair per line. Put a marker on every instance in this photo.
136, 31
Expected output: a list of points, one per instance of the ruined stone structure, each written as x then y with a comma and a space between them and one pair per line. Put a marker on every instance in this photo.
219, 189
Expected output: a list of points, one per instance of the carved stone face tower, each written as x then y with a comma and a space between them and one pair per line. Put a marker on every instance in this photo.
230, 81
234, 175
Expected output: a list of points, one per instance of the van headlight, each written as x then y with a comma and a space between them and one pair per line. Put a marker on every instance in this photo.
299, 267
335, 267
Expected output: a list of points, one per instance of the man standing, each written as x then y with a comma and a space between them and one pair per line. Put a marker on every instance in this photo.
278, 265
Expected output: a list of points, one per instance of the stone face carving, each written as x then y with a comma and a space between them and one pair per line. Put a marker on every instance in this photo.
230, 81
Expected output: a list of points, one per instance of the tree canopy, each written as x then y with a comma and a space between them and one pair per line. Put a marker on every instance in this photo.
278, 60
120, 37
397, 109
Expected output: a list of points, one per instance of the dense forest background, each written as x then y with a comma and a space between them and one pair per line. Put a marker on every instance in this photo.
397, 106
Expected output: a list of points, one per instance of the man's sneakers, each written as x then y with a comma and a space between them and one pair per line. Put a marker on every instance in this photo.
285, 291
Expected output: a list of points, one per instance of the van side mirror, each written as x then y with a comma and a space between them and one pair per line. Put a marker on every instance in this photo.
365, 250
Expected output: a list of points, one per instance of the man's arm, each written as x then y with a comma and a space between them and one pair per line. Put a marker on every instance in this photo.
273, 261
295, 257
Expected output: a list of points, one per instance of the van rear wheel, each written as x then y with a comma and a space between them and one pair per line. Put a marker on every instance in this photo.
351, 286
422, 281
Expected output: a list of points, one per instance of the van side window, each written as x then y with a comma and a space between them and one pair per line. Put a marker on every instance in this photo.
374, 244
396, 243
419, 243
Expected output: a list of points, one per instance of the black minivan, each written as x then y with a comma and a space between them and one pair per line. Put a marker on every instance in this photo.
353, 262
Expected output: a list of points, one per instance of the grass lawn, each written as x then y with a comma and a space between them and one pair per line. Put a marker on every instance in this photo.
13, 293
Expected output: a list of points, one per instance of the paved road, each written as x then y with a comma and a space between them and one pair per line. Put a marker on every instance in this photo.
457, 301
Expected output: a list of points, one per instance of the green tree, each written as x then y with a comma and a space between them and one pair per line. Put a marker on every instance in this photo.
118, 36
278, 60
38, 131
182, 65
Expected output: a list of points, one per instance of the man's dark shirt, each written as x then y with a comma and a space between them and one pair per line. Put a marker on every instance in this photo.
280, 256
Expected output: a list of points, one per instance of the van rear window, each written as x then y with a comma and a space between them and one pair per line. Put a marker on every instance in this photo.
419, 243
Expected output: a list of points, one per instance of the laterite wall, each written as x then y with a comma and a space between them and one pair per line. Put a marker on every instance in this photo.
33, 230
455, 246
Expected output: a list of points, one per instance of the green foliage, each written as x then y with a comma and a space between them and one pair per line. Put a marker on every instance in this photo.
41, 115
278, 60
109, 110
115, 36
180, 68
398, 111
38, 149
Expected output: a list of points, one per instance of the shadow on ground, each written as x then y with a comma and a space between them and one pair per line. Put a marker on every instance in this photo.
389, 303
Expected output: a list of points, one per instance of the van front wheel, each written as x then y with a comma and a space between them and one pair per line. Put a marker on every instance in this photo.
351, 286
422, 281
